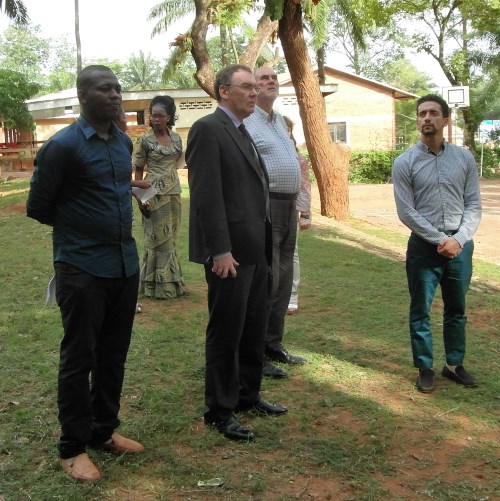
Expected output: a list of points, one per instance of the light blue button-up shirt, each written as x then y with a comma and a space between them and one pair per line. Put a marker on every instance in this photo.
438, 193
270, 137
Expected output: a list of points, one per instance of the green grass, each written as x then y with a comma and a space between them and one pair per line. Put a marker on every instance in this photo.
357, 429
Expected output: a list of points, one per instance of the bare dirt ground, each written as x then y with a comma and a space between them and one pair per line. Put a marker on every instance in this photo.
374, 204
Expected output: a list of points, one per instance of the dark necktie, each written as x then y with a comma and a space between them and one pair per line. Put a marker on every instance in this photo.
248, 141
253, 152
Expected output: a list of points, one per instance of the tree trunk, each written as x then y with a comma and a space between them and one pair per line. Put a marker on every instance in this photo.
330, 161
469, 126
469, 130
77, 37
223, 45
233, 47
320, 60
265, 28
205, 75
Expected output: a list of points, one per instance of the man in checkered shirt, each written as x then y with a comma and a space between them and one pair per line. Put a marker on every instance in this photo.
270, 136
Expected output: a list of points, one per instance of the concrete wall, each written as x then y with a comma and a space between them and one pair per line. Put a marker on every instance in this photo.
367, 110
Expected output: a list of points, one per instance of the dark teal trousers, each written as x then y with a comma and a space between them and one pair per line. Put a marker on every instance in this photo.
425, 270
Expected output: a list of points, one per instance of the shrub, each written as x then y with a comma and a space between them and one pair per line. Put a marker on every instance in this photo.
372, 167
491, 161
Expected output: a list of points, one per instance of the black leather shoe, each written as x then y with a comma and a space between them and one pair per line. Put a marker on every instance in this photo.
231, 428
425, 380
281, 355
460, 376
270, 370
263, 408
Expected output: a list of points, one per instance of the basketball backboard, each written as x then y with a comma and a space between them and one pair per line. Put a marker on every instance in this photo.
456, 96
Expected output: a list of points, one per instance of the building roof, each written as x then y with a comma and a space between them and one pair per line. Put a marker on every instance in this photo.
65, 103
285, 79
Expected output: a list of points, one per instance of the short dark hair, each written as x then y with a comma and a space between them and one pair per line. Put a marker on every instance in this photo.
436, 99
169, 104
225, 75
87, 75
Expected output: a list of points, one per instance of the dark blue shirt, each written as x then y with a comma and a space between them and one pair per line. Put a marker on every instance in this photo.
81, 187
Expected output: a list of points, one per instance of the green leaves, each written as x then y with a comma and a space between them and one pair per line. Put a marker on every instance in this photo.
15, 9
14, 91
274, 9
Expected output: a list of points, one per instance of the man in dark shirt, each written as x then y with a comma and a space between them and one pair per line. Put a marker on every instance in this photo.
81, 187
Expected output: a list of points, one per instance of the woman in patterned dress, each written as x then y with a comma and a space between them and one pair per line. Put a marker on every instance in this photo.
156, 158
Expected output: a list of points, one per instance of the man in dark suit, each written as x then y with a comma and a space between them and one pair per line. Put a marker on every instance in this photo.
230, 235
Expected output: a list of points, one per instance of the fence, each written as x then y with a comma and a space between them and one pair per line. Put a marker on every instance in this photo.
17, 158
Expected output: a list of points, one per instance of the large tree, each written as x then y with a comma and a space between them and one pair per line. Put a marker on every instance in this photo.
25, 51
226, 15
463, 37
329, 160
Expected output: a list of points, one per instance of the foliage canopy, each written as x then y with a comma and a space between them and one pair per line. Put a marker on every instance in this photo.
14, 91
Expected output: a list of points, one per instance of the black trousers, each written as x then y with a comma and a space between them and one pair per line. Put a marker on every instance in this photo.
97, 316
235, 339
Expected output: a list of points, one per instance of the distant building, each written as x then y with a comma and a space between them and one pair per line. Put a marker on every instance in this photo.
360, 112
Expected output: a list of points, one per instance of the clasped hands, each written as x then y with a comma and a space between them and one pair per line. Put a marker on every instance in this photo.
449, 248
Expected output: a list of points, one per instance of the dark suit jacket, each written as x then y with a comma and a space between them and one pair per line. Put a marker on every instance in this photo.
227, 194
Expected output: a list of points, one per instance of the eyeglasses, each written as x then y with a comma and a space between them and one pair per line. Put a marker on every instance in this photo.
246, 87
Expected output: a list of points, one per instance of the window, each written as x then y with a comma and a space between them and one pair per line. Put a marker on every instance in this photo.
338, 131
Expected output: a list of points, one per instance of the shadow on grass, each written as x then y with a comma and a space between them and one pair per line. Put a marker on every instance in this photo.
357, 428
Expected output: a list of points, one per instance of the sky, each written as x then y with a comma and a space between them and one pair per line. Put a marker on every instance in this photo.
114, 29
111, 29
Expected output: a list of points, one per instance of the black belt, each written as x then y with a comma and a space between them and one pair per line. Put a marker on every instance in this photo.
450, 233
282, 196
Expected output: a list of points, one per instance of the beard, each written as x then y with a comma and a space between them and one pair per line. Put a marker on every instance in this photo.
429, 132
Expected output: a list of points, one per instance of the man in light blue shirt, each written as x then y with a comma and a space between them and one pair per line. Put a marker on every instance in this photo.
436, 188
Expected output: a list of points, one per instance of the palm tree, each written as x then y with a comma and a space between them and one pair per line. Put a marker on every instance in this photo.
169, 11
319, 23
15, 10
227, 17
141, 72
